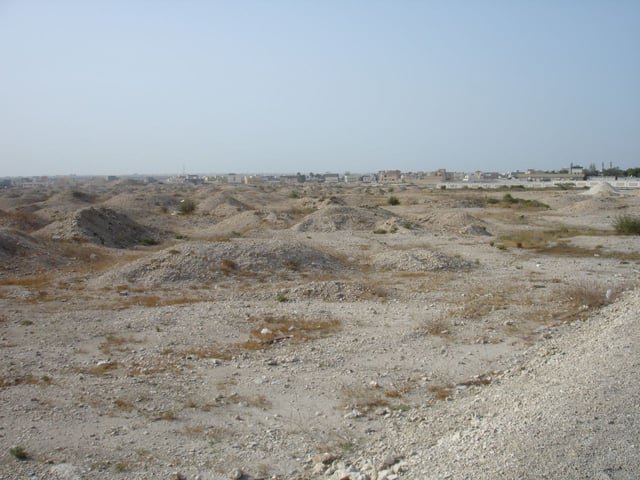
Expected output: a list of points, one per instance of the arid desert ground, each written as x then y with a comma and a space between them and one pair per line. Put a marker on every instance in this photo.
318, 332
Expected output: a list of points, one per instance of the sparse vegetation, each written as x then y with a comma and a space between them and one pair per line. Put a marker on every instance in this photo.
627, 225
167, 415
19, 453
294, 310
441, 392
228, 265
102, 368
393, 200
147, 242
115, 343
590, 295
186, 206
121, 467
509, 201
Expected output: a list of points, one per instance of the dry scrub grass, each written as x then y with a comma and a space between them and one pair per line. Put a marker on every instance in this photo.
151, 301
590, 294
114, 343
553, 242
441, 392
267, 332
32, 281
271, 329
102, 368
480, 302
437, 327
582, 298
24, 380
366, 399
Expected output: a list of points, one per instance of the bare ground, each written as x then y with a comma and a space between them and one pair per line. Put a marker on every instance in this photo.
317, 334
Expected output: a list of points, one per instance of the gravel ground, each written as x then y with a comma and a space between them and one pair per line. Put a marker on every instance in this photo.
326, 353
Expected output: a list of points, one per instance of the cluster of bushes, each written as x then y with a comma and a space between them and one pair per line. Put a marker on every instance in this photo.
509, 200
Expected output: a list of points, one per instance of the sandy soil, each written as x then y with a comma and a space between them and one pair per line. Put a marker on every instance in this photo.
318, 332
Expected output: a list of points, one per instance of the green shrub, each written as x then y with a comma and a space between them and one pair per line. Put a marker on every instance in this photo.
148, 241
627, 225
19, 452
186, 206
508, 198
393, 200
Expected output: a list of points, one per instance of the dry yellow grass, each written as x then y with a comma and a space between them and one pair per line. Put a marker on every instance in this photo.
113, 343
103, 368
441, 392
33, 281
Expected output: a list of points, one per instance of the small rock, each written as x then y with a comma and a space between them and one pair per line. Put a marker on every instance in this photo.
236, 474
390, 460
65, 471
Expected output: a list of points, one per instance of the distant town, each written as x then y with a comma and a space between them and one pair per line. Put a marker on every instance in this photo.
574, 175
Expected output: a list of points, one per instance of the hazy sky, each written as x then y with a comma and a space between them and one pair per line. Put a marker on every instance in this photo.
120, 87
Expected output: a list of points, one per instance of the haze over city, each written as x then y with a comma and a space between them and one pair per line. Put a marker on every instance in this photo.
282, 86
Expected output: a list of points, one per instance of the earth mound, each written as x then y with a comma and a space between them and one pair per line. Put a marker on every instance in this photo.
21, 220
338, 218
63, 203
249, 221
460, 222
102, 226
201, 261
151, 202
223, 204
418, 260
21, 254
602, 189
331, 291
16, 243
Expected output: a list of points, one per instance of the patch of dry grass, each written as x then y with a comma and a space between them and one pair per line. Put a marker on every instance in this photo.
153, 367
121, 404
590, 294
167, 415
267, 332
103, 368
113, 343
257, 401
227, 266
480, 302
31, 281
151, 301
272, 329
222, 352
364, 399
24, 380
554, 242
441, 392
477, 381
437, 327
566, 249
